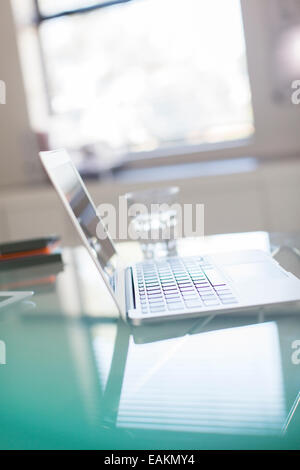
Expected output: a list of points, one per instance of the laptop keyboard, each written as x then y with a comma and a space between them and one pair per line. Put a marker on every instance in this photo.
181, 284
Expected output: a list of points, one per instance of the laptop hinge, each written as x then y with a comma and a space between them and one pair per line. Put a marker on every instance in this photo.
129, 287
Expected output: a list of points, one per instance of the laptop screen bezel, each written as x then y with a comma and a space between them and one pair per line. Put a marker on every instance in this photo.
58, 158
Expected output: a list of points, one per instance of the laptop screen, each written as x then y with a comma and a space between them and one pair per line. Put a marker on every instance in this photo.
70, 183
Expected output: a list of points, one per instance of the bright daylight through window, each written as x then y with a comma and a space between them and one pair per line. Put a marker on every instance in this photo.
144, 74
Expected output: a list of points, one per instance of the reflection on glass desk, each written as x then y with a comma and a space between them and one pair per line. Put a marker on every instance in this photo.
172, 386
78, 377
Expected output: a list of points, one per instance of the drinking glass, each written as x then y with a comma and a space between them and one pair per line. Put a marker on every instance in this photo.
154, 226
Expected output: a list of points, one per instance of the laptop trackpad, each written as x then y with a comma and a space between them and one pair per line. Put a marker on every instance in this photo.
257, 272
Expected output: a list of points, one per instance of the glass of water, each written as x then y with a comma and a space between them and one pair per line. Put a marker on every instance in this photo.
153, 220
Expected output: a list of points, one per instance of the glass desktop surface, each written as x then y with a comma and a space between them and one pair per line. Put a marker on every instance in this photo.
78, 378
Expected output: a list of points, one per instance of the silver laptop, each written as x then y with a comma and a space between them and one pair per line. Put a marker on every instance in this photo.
175, 287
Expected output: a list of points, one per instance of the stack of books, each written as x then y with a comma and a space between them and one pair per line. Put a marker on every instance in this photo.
27, 253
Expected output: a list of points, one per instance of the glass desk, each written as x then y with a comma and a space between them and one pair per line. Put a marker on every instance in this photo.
77, 377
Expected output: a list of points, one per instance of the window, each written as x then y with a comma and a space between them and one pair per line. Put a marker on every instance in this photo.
139, 75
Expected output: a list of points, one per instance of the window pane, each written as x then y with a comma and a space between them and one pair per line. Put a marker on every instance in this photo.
149, 74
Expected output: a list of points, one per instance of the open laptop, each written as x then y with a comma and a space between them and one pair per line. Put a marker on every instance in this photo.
176, 287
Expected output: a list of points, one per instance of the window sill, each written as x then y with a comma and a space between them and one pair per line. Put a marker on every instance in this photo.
189, 153
186, 170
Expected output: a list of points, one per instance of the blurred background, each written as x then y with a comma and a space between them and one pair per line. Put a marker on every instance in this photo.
152, 93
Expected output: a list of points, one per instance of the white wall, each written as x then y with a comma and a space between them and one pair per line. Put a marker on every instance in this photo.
277, 126
265, 199
17, 142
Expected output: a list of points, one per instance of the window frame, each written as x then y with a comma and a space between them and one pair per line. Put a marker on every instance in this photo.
162, 155
74, 11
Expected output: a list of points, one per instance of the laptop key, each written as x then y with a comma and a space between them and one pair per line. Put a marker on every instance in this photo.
177, 306
156, 303
205, 291
226, 295
173, 301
